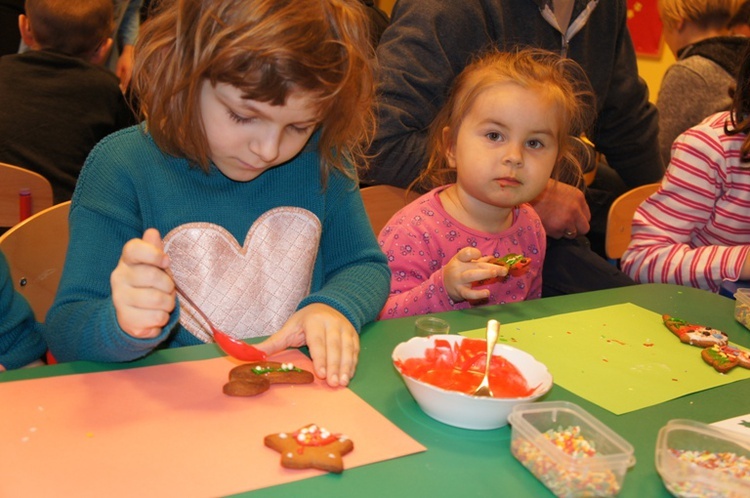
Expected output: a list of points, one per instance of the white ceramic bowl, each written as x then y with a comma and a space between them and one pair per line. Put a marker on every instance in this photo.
464, 410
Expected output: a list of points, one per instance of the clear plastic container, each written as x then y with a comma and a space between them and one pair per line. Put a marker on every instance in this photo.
595, 458
698, 460
742, 307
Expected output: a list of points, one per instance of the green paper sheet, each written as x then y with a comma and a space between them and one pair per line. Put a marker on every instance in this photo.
619, 357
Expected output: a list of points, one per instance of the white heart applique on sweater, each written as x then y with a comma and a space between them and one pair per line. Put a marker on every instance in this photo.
247, 291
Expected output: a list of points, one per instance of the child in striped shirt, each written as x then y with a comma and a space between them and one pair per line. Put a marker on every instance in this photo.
695, 229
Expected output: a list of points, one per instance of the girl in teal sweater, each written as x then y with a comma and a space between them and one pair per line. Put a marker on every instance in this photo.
239, 187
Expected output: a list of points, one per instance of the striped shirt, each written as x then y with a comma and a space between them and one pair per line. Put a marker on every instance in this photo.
695, 229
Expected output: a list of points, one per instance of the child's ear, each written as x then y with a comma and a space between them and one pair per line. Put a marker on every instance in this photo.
101, 53
450, 153
24, 26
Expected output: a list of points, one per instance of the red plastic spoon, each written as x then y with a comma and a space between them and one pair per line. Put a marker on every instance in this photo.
231, 346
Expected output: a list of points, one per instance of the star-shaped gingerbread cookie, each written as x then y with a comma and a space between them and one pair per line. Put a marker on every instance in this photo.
311, 447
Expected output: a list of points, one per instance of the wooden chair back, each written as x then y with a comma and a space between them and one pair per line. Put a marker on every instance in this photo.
620, 219
12, 180
35, 250
383, 201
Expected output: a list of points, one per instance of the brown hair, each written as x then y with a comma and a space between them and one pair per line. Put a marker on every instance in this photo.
739, 117
563, 80
709, 14
266, 49
72, 27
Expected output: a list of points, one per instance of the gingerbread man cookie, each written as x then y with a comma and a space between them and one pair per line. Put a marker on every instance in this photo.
725, 358
695, 335
275, 372
251, 379
311, 447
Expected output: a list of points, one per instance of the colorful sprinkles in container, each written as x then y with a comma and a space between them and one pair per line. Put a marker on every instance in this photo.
725, 464
560, 480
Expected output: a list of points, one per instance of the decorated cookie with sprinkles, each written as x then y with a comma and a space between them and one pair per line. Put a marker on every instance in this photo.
725, 358
695, 335
311, 447
275, 372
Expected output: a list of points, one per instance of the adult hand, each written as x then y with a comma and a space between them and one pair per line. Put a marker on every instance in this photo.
466, 267
563, 210
143, 292
124, 67
331, 338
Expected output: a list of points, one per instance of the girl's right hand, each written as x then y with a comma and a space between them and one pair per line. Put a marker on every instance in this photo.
466, 267
143, 292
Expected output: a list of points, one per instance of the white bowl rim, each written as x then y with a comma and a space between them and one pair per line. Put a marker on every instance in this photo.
542, 389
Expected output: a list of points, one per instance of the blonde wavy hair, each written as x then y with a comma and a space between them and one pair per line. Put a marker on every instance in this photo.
562, 80
266, 49
712, 14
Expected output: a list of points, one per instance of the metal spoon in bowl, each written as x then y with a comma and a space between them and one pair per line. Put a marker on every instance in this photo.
493, 330
231, 346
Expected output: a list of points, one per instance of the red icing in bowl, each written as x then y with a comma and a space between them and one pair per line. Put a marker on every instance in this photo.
460, 367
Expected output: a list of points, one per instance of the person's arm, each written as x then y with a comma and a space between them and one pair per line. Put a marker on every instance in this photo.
417, 285
21, 342
82, 323
125, 37
681, 211
627, 128
426, 45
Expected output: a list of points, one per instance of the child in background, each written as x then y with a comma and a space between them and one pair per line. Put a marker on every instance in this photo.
700, 82
510, 122
21, 342
245, 165
695, 230
57, 100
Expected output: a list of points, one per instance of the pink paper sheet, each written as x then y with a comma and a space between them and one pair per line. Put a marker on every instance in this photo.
168, 430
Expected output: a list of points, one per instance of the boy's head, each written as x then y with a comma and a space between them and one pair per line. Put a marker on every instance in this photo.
79, 28
706, 14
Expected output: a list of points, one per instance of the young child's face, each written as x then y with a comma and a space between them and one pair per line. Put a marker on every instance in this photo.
506, 146
247, 137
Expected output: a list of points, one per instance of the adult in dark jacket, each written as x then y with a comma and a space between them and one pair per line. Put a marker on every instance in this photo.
430, 41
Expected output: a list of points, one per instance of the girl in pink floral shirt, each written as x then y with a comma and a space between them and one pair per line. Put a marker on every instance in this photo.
509, 125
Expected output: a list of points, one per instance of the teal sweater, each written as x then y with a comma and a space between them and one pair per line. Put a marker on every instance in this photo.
20, 334
128, 185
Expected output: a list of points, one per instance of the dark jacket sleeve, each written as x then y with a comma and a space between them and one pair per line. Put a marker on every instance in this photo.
419, 55
627, 125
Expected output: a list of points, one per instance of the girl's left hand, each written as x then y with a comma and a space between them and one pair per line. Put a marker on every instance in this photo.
331, 338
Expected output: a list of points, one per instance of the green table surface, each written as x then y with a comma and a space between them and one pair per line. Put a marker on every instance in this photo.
461, 462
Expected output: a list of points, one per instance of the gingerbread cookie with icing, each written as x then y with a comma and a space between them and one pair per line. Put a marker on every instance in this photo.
252, 379
516, 264
311, 447
275, 372
695, 335
725, 358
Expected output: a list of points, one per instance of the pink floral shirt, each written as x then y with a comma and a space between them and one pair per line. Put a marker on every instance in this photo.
422, 237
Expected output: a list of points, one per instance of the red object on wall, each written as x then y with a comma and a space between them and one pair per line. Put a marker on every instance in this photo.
644, 25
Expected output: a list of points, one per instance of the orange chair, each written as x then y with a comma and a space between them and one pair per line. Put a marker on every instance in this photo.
620, 219
35, 249
383, 201
12, 180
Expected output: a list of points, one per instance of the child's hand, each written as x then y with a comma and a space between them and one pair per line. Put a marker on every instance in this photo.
331, 338
142, 291
563, 210
467, 266
745, 272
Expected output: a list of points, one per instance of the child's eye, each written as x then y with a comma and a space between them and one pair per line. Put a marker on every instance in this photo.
300, 129
494, 136
535, 144
237, 118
